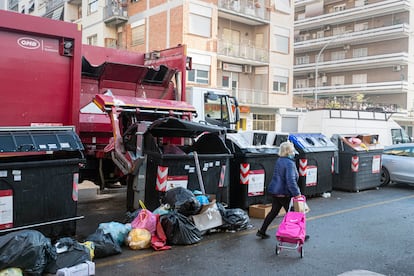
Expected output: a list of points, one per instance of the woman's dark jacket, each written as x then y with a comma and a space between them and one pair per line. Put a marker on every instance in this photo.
285, 177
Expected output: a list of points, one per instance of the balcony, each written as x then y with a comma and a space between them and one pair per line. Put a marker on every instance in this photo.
250, 12
242, 53
53, 5
75, 2
115, 14
368, 11
352, 64
366, 36
391, 87
251, 96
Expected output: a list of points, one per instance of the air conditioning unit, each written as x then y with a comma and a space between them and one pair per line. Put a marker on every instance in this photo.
219, 64
247, 69
396, 68
311, 76
327, 28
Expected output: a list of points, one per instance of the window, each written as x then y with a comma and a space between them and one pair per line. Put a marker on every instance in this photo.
361, 26
359, 78
339, 8
339, 30
200, 20
281, 40
337, 80
138, 35
111, 43
31, 7
264, 122
225, 81
360, 52
280, 84
280, 80
338, 55
92, 40
320, 57
92, 6
283, 6
199, 74
281, 44
303, 83
302, 60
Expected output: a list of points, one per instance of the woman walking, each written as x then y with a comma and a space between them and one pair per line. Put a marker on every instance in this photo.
283, 186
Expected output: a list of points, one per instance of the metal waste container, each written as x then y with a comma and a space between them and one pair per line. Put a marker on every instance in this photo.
359, 162
39, 171
251, 168
185, 154
315, 162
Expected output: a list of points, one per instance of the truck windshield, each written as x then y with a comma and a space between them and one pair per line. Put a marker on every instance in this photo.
399, 136
215, 109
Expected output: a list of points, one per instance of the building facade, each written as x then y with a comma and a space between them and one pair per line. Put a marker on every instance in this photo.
355, 54
243, 47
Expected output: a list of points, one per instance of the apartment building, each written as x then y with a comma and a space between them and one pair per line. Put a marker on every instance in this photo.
243, 47
355, 54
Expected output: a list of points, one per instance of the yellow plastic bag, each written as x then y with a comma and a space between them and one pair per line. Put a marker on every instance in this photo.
138, 239
91, 247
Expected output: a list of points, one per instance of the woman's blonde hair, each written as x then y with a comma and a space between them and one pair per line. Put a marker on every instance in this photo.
285, 149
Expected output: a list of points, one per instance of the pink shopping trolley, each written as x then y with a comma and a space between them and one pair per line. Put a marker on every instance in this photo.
292, 230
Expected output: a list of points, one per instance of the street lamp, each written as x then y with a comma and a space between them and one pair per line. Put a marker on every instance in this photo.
317, 63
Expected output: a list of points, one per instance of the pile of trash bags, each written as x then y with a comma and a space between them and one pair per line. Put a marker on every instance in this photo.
30, 252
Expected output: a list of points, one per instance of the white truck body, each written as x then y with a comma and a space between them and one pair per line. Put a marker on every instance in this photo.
332, 121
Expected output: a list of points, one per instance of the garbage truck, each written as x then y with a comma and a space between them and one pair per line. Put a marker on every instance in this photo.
50, 80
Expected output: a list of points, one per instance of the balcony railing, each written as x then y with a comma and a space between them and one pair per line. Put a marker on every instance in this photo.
351, 89
115, 14
242, 50
53, 4
257, 9
354, 63
350, 15
251, 96
370, 35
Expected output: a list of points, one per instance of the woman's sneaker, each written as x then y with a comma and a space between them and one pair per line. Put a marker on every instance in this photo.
262, 235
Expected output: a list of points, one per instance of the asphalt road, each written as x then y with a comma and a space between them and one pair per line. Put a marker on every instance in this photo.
349, 232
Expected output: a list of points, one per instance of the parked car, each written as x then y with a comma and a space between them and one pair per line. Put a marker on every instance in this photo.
398, 164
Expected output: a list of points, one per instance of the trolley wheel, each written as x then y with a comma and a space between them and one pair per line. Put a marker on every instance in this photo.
302, 252
277, 251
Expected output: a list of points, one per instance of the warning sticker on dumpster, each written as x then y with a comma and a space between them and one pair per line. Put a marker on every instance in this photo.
256, 183
376, 163
177, 181
6, 209
311, 175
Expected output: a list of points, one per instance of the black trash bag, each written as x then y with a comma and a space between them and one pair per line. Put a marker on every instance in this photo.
233, 219
105, 245
28, 250
183, 201
69, 253
179, 229
130, 216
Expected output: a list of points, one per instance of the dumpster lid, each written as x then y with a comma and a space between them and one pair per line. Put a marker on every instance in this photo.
255, 141
312, 142
174, 127
38, 139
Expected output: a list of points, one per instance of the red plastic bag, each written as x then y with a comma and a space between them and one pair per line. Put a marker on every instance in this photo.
145, 220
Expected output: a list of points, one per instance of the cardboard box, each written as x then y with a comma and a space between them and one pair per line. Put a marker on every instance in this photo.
208, 218
261, 210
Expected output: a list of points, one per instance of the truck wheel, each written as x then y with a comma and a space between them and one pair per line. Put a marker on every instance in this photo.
385, 177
